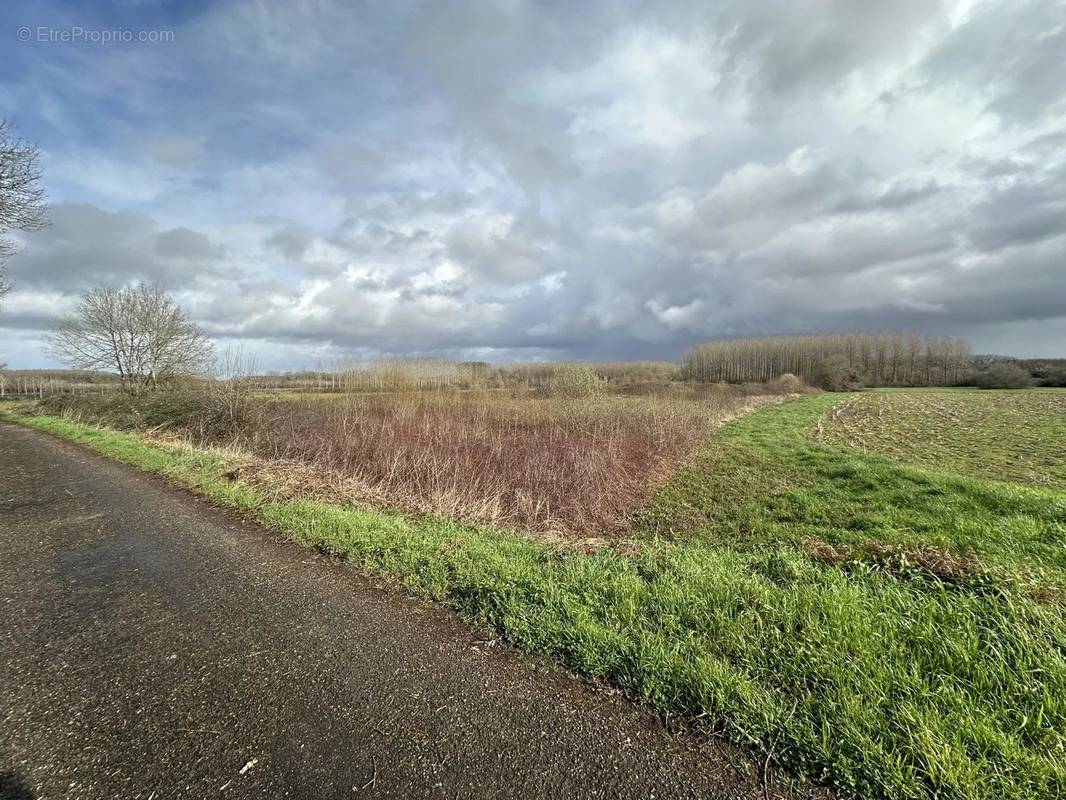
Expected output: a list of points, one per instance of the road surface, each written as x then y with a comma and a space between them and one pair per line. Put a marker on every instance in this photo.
154, 646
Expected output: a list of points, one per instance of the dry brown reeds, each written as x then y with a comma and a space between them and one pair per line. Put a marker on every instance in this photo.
566, 464
568, 448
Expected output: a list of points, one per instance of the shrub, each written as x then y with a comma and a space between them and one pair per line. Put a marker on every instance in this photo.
788, 384
1054, 377
834, 374
575, 381
636, 372
219, 413
1003, 376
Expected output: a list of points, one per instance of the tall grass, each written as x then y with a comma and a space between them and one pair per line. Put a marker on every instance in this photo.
567, 459
422, 374
549, 464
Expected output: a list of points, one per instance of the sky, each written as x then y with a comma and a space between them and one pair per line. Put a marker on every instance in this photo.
507, 180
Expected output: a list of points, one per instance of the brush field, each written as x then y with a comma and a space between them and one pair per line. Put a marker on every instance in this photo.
575, 461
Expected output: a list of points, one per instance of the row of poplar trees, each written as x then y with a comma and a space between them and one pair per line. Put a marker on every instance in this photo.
879, 359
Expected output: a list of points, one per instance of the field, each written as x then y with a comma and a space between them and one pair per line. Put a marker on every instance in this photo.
891, 630
570, 464
1003, 435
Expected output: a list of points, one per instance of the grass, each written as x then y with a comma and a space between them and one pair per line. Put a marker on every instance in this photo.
882, 682
1003, 435
765, 481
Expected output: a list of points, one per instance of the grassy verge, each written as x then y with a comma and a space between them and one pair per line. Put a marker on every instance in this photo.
883, 682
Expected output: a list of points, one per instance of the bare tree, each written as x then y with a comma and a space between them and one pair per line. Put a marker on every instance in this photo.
22, 200
873, 358
139, 332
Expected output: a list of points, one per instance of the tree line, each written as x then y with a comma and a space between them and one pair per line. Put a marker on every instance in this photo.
833, 360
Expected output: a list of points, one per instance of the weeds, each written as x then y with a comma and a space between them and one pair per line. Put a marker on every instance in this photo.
578, 461
941, 563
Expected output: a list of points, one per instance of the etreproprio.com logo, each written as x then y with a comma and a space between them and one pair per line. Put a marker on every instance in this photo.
78, 34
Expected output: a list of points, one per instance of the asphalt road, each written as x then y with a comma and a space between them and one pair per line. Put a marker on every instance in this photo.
153, 646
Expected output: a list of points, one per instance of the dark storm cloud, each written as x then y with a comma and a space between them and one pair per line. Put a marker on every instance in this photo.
1028, 209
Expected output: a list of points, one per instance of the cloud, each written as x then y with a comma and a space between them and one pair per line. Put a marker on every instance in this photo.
532, 180
292, 241
1025, 210
1012, 55
503, 248
177, 151
184, 243
789, 53
85, 246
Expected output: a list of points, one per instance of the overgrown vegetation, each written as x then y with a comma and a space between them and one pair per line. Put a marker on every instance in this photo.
1010, 436
565, 457
1005, 372
1046, 371
406, 374
895, 631
1003, 376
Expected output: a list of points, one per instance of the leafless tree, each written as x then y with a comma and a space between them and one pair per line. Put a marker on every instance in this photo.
139, 332
872, 358
22, 200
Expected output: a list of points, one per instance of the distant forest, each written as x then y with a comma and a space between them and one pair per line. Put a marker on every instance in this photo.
834, 360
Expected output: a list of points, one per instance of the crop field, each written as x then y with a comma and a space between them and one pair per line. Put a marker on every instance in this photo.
801, 577
1003, 435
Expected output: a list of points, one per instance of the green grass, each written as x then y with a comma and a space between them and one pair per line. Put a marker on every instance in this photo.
1002, 435
765, 481
883, 683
